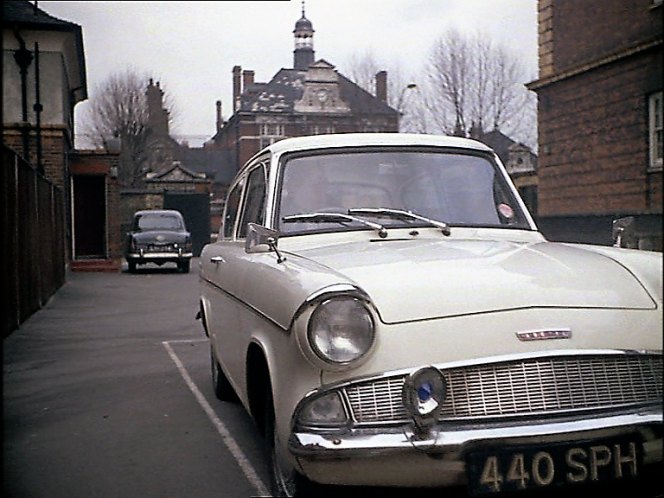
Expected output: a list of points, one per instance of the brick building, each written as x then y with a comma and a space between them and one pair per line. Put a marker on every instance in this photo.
600, 119
309, 99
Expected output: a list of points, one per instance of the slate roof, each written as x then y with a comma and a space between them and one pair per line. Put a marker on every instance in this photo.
503, 145
215, 163
287, 86
28, 16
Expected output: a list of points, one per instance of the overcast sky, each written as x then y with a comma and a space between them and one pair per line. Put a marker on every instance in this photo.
191, 47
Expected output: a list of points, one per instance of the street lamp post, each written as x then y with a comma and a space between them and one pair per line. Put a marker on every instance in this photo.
400, 101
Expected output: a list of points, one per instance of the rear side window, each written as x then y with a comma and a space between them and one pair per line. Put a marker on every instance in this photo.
254, 206
230, 213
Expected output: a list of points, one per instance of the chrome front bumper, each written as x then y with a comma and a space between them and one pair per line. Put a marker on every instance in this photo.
145, 255
319, 454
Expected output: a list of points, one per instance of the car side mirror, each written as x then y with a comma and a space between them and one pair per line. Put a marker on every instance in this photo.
262, 239
620, 226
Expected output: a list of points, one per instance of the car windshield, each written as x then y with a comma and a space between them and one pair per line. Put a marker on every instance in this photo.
158, 221
458, 189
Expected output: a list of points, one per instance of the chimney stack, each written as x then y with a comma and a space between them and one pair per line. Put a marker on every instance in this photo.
220, 121
381, 85
237, 89
247, 79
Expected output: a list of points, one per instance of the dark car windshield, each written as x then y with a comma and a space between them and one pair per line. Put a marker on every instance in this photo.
453, 187
158, 221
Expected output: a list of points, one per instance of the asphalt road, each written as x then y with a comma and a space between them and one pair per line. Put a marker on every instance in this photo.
107, 393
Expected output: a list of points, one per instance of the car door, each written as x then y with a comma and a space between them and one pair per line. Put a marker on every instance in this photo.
218, 277
229, 266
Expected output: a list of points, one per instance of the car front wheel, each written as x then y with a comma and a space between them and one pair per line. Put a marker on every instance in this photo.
285, 481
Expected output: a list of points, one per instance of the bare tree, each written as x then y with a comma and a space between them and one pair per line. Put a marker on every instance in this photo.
472, 82
119, 112
362, 69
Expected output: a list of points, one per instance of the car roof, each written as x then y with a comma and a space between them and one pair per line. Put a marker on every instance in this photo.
158, 211
372, 139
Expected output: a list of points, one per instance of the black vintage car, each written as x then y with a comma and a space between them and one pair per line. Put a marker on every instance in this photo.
158, 236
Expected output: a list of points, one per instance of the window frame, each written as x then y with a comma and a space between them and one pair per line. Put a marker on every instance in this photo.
237, 187
242, 212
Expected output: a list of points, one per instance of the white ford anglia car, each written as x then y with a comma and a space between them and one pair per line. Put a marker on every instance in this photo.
385, 308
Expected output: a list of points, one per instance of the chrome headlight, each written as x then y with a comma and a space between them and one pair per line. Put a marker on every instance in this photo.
341, 330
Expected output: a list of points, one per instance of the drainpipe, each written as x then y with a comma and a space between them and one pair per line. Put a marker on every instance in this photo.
38, 110
23, 58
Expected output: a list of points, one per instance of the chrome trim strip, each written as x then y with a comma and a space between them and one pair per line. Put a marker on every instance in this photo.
336, 289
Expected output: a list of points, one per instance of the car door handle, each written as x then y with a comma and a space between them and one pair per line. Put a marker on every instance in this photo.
217, 259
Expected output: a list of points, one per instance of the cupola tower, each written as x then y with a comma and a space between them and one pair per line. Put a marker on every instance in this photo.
303, 55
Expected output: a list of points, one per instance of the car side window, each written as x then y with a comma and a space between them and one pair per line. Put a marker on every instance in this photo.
230, 213
254, 206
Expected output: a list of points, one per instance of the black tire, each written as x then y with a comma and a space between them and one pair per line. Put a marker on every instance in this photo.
284, 483
223, 389
131, 266
183, 266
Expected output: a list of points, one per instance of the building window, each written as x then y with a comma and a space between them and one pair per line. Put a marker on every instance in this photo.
656, 131
272, 130
270, 133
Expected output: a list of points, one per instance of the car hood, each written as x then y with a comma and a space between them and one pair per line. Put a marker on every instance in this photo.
423, 279
159, 236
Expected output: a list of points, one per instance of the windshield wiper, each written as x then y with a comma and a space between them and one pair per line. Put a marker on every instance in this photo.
399, 213
333, 218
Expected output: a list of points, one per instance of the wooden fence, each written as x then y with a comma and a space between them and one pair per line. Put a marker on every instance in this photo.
33, 240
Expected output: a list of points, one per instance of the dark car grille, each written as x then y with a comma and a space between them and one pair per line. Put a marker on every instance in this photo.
523, 388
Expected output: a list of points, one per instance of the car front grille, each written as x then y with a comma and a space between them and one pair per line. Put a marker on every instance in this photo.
526, 387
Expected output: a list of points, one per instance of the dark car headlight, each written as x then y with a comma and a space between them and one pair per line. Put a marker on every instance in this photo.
341, 330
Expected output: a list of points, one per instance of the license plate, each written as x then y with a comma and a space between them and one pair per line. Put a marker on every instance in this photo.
514, 468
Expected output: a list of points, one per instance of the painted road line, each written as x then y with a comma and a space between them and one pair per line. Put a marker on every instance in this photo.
232, 445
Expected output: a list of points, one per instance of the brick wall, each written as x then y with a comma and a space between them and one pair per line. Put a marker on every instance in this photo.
592, 142
545, 37
54, 143
586, 29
